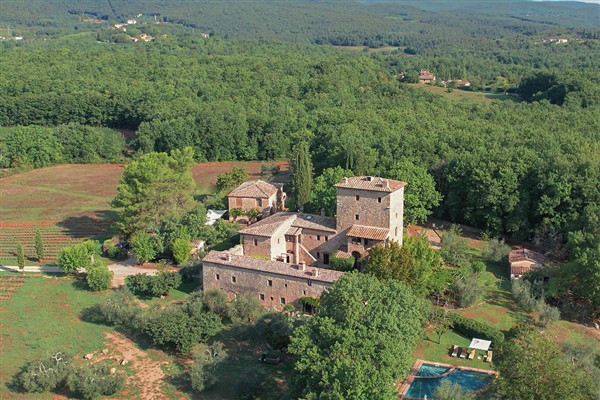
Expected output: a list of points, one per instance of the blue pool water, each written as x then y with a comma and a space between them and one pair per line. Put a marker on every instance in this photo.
469, 380
431, 370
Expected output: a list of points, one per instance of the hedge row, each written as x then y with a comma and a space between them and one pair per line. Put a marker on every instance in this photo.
475, 329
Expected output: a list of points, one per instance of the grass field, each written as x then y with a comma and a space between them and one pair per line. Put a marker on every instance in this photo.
464, 96
71, 203
44, 314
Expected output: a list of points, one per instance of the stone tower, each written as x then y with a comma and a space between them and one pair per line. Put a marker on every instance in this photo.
371, 202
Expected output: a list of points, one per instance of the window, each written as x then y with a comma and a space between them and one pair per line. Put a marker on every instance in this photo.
379, 199
318, 255
271, 298
217, 276
233, 279
288, 238
304, 292
357, 197
238, 202
356, 217
258, 202
326, 238
282, 300
396, 231
356, 240
325, 258
278, 240
285, 284
269, 282
309, 282
261, 296
255, 242
318, 237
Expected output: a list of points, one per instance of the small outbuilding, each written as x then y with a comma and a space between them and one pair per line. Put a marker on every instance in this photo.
523, 260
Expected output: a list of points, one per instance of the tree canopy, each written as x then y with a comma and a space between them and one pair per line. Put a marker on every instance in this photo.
360, 341
153, 187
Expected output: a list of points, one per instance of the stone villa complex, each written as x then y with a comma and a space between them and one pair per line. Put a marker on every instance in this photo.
286, 255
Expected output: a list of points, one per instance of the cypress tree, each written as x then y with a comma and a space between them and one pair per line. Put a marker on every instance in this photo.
302, 175
39, 245
20, 257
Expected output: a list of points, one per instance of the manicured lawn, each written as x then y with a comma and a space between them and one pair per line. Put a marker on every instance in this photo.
43, 316
430, 350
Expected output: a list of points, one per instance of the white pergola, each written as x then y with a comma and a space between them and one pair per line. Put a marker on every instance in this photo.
480, 344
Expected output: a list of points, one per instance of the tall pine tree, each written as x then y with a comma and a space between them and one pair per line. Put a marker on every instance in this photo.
302, 179
39, 245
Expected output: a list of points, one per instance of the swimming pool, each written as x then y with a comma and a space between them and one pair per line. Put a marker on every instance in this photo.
425, 382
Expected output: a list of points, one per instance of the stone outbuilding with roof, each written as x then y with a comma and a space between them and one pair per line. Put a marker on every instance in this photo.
267, 198
523, 260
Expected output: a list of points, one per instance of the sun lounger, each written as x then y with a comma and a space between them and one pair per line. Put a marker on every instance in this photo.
454, 351
489, 356
472, 355
463, 352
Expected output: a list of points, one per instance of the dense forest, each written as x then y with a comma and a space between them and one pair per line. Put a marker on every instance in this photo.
507, 167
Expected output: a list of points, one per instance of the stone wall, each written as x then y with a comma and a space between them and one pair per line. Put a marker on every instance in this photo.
370, 211
248, 203
272, 290
258, 246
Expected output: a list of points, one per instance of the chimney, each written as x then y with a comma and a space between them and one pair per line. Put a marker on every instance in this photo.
316, 272
302, 266
322, 212
386, 183
345, 180
228, 256
369, 178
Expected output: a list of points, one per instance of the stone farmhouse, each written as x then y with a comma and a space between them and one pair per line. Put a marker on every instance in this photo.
286, 256
263, 196
524, 260
426, 76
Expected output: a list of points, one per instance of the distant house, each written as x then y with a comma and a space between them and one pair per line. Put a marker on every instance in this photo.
524, 260
145, 37
265, 197
426, 76
131, 21
463, 83
204, 35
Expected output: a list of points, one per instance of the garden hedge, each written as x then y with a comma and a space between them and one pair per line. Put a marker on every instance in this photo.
475, 329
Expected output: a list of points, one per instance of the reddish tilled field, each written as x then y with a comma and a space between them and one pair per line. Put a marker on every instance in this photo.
71, 203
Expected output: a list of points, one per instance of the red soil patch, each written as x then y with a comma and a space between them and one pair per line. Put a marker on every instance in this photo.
149, 376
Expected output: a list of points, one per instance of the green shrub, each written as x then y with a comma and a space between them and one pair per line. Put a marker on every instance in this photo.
181, 326
46, 374
341, 264
118, 309
215, 300
181, 249
99, 277
245, 308
143, 247
468, 291
113, 251
204, 372
91, 381
154, 286
471, 328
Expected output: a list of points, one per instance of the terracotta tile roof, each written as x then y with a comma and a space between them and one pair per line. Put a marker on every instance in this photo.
342, 254
278, 223
371, 183
426, 75
293, 231
273, 224
316, 222
274, 267
254, 189
522, 254
368, 232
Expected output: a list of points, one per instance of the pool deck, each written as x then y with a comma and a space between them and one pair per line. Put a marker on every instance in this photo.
417, 365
